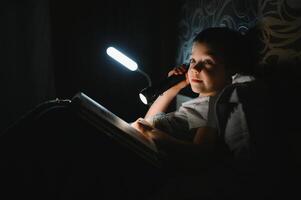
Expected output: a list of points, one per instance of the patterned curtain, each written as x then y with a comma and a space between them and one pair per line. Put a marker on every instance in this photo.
277, 24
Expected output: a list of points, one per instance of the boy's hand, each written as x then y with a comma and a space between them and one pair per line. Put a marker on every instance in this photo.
147, 129
142, 125
180, 71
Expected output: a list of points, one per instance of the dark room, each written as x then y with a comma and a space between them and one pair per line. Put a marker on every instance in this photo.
149, 100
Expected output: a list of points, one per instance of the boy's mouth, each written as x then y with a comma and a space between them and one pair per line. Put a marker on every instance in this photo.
196, 80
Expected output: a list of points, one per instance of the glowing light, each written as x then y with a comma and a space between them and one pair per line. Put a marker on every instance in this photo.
121, 58
143, 98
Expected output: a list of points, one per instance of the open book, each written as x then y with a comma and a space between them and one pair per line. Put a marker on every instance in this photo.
115, 127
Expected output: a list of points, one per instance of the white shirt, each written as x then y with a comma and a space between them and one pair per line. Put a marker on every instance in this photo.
192, 114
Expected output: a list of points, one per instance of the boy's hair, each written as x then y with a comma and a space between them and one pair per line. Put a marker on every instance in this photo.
228, 44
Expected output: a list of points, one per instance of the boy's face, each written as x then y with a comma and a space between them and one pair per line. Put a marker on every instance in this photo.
206, 74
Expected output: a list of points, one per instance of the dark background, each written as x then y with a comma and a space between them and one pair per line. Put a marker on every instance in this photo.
54, 49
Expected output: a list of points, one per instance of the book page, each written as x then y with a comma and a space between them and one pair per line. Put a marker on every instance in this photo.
104, 114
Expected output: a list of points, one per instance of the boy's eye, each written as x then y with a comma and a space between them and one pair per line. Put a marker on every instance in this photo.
191, 61
208, 62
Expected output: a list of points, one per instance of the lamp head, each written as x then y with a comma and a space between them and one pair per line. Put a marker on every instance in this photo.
121, 58
148, 95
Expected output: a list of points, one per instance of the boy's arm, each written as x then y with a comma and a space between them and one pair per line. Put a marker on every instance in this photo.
163, 101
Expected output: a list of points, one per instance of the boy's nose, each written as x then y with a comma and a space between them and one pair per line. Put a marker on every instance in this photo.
198, 67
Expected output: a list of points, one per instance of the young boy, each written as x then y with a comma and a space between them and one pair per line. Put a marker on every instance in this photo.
216, 61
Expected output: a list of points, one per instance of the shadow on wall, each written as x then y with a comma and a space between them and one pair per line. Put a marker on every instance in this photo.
279, 22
